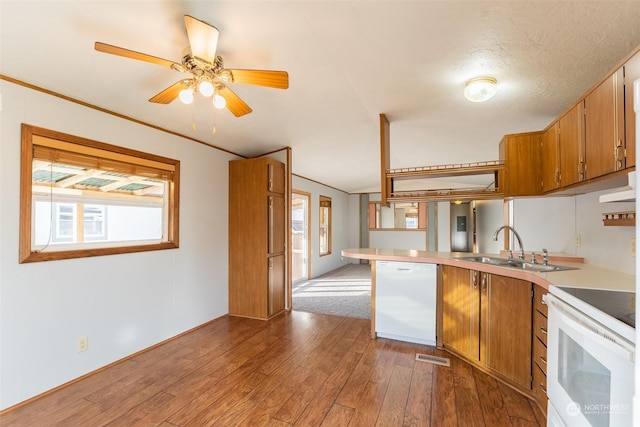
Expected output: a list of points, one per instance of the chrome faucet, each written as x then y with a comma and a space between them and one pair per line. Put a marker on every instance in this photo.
495, 238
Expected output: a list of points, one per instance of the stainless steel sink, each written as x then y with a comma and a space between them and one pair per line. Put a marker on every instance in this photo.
517, 264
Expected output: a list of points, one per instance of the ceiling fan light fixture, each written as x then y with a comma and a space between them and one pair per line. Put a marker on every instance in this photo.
186, 96
480, 89
219, 102
205, 88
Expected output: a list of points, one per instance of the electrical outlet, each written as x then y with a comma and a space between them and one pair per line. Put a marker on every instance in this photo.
578, 240
633, 246
82, 344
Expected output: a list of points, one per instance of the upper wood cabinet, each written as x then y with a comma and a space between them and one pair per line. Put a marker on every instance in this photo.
550, 153
631, 74
571, 146
488, 319
522, 175
604, 127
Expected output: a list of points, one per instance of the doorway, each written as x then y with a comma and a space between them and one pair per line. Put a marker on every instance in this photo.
300, 240
463, 226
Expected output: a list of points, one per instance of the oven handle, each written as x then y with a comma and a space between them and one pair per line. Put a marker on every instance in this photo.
593, 330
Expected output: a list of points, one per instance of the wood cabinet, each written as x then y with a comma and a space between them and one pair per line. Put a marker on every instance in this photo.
550, 153
631, 74
487, 318
540, 348
461, 311
563, 150
571, 146
604, 127
257, 237
522, 173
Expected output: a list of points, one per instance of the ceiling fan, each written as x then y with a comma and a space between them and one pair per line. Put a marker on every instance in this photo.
208, 75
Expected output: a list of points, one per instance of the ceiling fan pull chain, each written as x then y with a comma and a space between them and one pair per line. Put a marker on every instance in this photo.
214, 130
193, 118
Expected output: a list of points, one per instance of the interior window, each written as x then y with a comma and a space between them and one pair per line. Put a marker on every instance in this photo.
398, 216
84, 198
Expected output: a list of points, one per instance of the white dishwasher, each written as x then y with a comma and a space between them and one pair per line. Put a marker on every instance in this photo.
405, 301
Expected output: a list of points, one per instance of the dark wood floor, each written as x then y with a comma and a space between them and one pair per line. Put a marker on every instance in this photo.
300, 369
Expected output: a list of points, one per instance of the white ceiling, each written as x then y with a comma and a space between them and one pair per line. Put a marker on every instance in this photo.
348, 61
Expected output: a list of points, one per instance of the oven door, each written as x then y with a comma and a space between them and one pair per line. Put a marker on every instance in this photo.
590, 369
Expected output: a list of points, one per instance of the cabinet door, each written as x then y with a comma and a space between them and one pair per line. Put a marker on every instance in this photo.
276, 284
571, 141
505, 341
522, 173
276, 221
460, 309
275, 177
550, 159
631, 74
603, 130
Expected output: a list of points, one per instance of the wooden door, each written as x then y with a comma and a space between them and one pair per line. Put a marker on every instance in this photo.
505, 327
631, 74
276, 284
603, 132
550, 158
460, 309
571, 142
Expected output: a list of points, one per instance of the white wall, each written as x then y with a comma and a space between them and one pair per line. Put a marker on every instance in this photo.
122, 303
489, 216
340, 225
554, 223
398, 239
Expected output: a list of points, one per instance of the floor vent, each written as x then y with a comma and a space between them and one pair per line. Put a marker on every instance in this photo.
433, 359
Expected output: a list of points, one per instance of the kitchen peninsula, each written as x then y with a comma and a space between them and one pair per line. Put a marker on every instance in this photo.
490, 315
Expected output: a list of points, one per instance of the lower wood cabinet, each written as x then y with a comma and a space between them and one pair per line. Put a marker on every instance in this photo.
487, 318
539, 348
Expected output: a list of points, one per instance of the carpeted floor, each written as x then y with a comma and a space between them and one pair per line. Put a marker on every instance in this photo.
345, 291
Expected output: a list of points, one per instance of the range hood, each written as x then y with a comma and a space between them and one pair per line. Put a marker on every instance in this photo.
622, 194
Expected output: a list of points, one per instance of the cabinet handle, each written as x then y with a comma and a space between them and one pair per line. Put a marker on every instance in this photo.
543, 330
544, 390
619, 155
557, 177
483, 282
474, 279
543, 360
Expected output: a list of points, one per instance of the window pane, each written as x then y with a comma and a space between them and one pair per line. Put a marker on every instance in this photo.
101, 197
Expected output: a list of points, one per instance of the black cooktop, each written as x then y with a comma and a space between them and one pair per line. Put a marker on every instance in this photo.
618, 304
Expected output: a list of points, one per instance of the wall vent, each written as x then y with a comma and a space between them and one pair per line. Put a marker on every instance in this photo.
443, 361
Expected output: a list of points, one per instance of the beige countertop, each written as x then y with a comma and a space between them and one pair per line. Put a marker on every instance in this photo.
586, 276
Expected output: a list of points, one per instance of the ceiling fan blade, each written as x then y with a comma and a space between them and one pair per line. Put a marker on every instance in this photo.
203, 38
275, 79
171, 93
120, 51
236, 105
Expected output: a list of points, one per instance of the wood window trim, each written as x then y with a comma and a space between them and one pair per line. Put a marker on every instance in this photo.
144, 163
372, 217
325, 202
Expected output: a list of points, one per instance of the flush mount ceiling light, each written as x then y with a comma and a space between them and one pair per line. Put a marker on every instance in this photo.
480, 89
